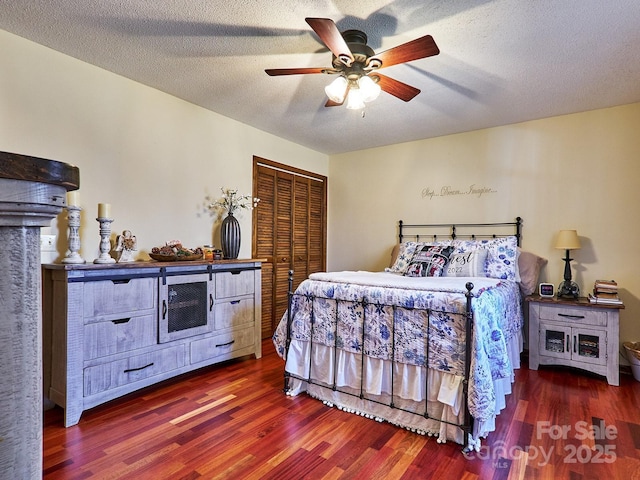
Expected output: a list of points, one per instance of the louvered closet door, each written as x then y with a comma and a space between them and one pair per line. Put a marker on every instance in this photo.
290, 232
264, 238
284, 237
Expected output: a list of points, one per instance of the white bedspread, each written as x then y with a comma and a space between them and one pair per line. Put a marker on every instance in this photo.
393, 280
384, 316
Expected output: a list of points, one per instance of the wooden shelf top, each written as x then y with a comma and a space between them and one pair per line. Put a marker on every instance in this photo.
34, 169
148, 264
577, 302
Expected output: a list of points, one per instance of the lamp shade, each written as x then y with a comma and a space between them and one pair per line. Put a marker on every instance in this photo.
568, 240
369, 89
337, 89
354, 99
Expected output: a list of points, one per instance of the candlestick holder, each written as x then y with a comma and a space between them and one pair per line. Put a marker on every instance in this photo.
73, 215
105, 243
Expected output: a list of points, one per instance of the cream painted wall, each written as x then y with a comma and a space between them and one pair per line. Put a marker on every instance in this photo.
152, 156
571, 172
155, 157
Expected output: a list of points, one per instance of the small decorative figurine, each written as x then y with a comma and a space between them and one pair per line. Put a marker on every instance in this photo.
126, 245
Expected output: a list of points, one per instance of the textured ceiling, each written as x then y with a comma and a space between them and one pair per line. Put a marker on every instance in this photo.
501, 62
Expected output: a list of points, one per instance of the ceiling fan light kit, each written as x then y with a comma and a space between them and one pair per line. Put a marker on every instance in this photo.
362, 90
337, 90
354, 61
368, 88
355, 100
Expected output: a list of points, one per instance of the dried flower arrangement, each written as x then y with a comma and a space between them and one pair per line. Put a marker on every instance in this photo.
230, 202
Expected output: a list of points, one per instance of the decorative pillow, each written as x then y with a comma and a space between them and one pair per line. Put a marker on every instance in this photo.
429, 261
502, 257
464, 246
402, 258
529, 265
402, 255
469, 264
502, 260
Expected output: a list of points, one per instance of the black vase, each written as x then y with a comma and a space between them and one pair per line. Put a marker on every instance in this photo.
230, 236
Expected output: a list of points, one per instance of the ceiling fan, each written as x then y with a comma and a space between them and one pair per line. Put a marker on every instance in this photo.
357, 65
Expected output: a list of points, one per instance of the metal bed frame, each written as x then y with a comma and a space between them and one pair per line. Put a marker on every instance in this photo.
450, 231
458, 230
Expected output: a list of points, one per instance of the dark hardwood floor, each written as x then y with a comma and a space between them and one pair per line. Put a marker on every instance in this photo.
233, 421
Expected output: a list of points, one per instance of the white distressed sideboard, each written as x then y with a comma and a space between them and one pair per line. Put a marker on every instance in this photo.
112, 329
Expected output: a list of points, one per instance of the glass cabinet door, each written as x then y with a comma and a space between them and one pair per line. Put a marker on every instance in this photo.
589, 346
555, 341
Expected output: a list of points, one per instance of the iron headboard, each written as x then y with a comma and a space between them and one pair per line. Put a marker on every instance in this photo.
433, 231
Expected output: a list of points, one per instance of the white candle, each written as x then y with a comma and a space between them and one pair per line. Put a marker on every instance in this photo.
73, 198
104, 210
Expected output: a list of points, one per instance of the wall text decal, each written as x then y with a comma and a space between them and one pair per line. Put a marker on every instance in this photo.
448, 191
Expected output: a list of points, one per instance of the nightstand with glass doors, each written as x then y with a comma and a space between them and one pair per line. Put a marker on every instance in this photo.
574, 333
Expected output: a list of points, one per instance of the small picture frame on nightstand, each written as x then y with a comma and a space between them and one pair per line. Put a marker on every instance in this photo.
546, 290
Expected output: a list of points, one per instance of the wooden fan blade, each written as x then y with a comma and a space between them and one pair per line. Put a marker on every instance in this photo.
419, 48
293, 71
396, 87
328, 32
331, 103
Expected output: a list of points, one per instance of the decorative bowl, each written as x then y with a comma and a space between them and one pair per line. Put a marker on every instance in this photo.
189, 258
163, 258
176, 258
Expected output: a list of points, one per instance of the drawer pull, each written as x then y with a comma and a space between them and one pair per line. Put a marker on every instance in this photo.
234, 302
226, 344
120, 321
138, 369
121, 281
566, 315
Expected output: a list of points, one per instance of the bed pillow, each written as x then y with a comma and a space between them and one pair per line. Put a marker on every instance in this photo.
394, 256
529, 265
429, 261
469, 264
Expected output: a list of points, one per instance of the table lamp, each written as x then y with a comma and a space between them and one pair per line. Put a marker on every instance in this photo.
568, 240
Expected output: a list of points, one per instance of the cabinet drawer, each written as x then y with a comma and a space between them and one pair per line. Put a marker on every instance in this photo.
119, 335
235, 283
234, 313
582, 316
100, 378
212, 347
111, 297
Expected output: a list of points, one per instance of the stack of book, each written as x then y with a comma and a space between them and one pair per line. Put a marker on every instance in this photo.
605, 292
